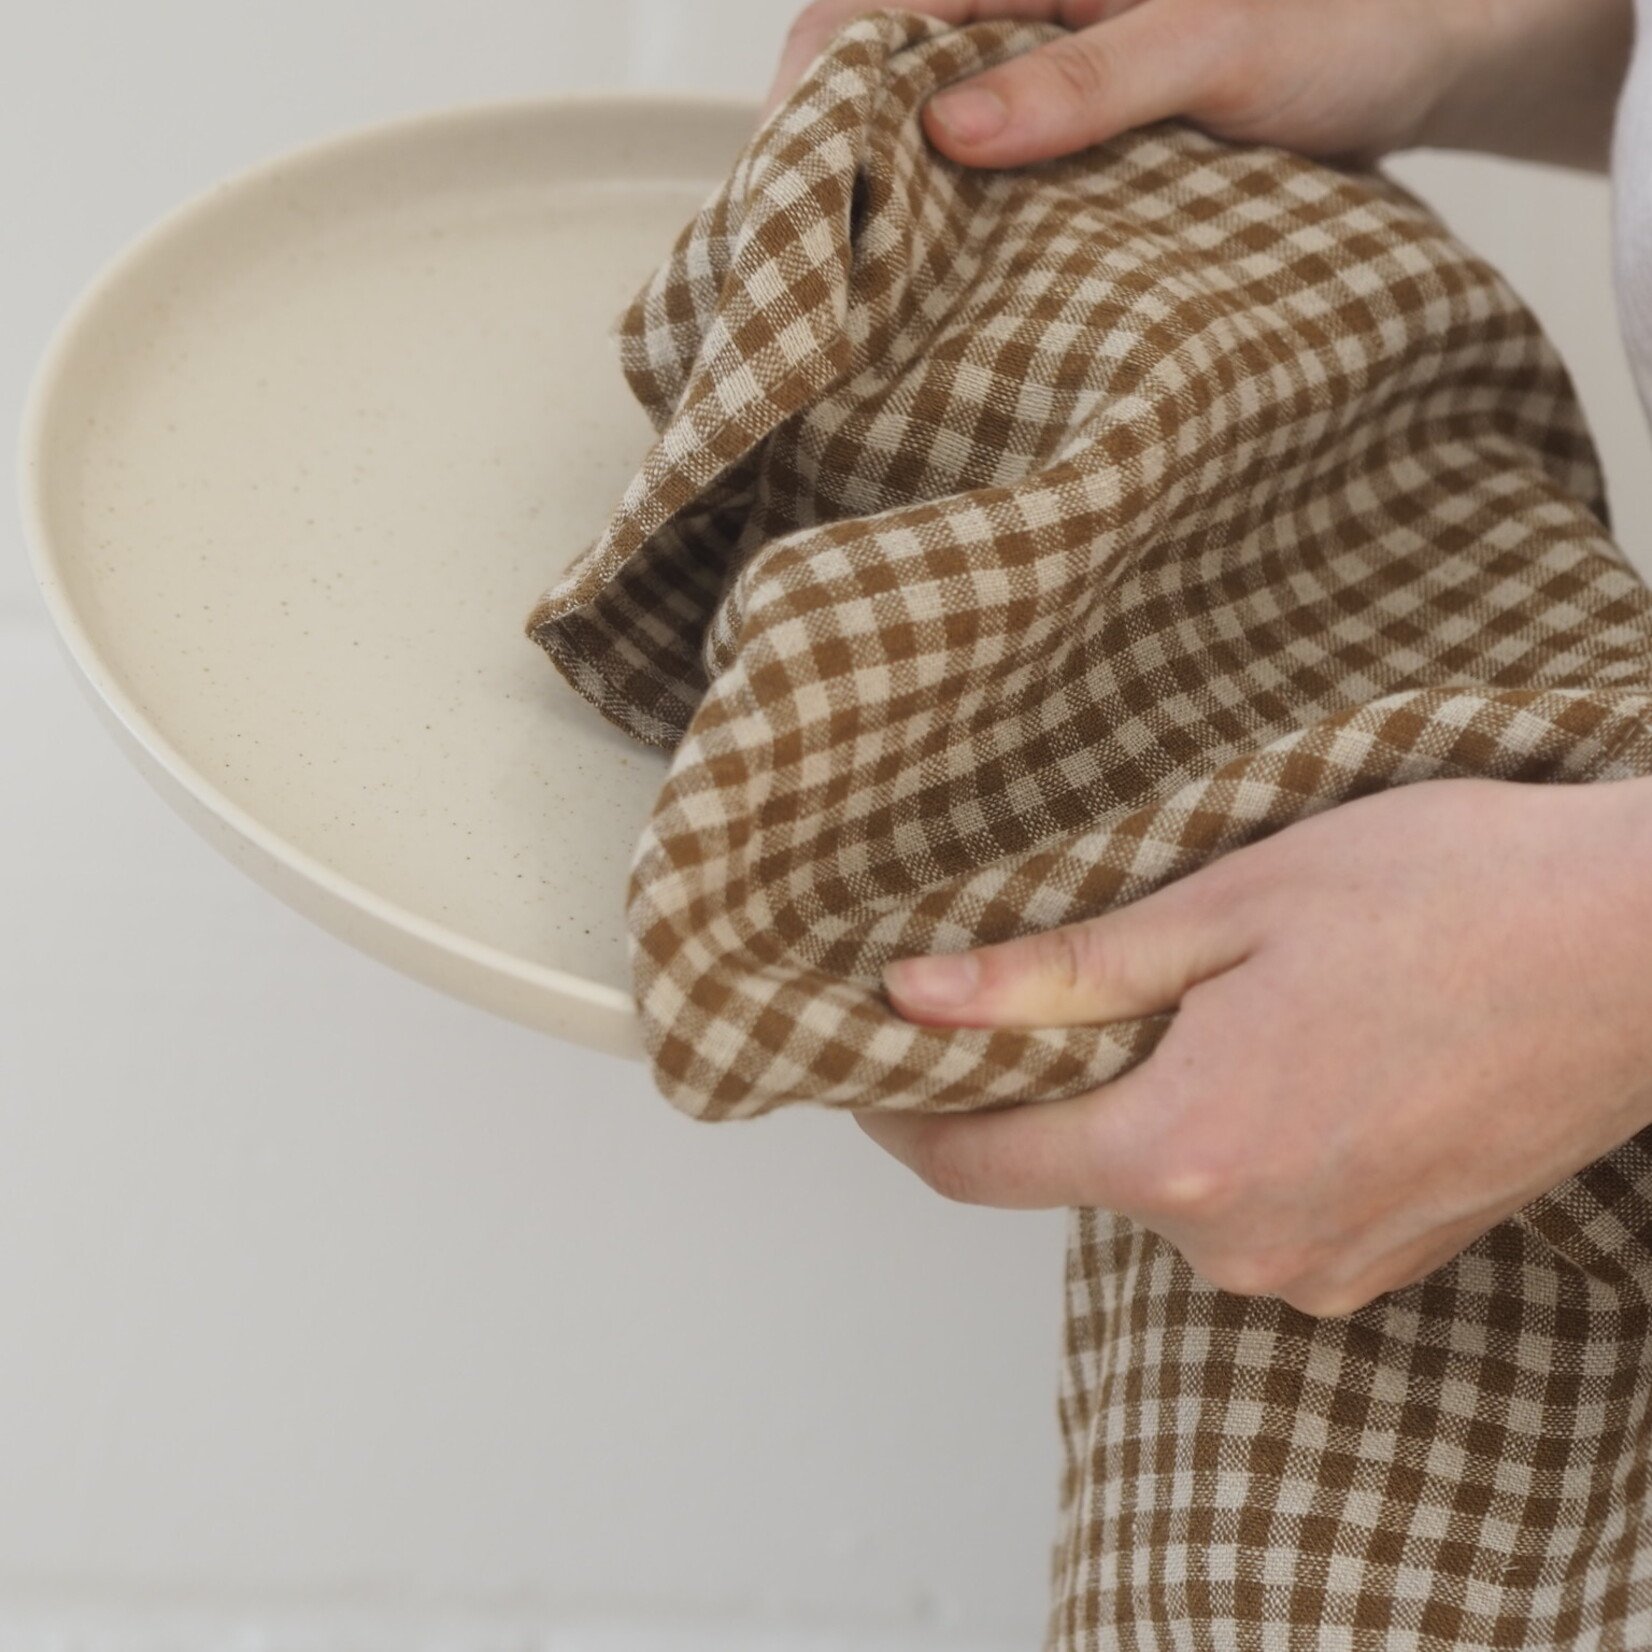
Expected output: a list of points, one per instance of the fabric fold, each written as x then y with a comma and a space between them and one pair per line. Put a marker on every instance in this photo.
1014, 540
802, 269
1014, 543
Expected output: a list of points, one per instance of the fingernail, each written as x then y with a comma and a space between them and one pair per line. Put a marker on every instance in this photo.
938, 981
971, 113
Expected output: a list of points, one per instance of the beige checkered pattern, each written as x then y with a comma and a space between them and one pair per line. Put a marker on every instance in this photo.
1013, 543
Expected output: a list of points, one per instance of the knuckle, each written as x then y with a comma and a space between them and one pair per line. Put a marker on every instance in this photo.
1239, 881
1246, 1273
1235, 38
1324, 1301
1196, 1175
1190, 1188
1075, 68
1070, 957
815, 20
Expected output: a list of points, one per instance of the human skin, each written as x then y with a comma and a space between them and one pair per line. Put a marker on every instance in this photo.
1535, 79
1399, 1020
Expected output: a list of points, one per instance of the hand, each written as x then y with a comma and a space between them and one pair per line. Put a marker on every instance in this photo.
1354, 78
1397, 1022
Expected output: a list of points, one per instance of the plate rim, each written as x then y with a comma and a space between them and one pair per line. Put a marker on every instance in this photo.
45, 563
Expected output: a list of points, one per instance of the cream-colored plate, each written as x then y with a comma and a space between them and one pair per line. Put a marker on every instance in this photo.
294, 471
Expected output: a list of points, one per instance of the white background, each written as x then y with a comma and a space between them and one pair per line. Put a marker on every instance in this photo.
336, 1315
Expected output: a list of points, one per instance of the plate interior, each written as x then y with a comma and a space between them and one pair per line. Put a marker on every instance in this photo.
312, 452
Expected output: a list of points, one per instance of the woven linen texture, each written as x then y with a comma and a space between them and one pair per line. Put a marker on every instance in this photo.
1013, 543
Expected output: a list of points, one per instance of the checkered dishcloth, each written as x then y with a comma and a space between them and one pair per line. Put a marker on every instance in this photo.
1014, 543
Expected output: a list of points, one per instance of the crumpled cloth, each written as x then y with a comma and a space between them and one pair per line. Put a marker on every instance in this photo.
1015, 542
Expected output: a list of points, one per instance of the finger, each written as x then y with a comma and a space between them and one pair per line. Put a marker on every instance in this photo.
1150, 61
1135, 960
1093, 1149
816, 24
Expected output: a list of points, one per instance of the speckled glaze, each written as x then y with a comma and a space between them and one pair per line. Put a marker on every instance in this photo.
294, 469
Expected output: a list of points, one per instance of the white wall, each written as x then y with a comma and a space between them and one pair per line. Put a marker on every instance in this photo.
336, 1315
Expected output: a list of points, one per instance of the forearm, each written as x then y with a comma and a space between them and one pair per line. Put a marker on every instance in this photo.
1535, 79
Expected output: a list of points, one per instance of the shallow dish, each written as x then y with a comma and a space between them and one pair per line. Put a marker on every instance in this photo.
294, 471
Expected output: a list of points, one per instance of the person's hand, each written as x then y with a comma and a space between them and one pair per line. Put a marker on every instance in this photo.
1396, 1022
1336, 78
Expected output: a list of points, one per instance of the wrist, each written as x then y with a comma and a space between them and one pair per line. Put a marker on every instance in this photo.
1530, 79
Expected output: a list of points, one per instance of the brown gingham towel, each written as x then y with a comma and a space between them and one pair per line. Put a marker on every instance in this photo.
1013, 543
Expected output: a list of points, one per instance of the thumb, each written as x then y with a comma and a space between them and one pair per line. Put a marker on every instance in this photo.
1143, 65
1136, 960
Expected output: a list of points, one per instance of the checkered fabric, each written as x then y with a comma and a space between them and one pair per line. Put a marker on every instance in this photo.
1013, 543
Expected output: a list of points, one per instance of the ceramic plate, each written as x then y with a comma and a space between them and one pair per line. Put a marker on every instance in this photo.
296, 468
